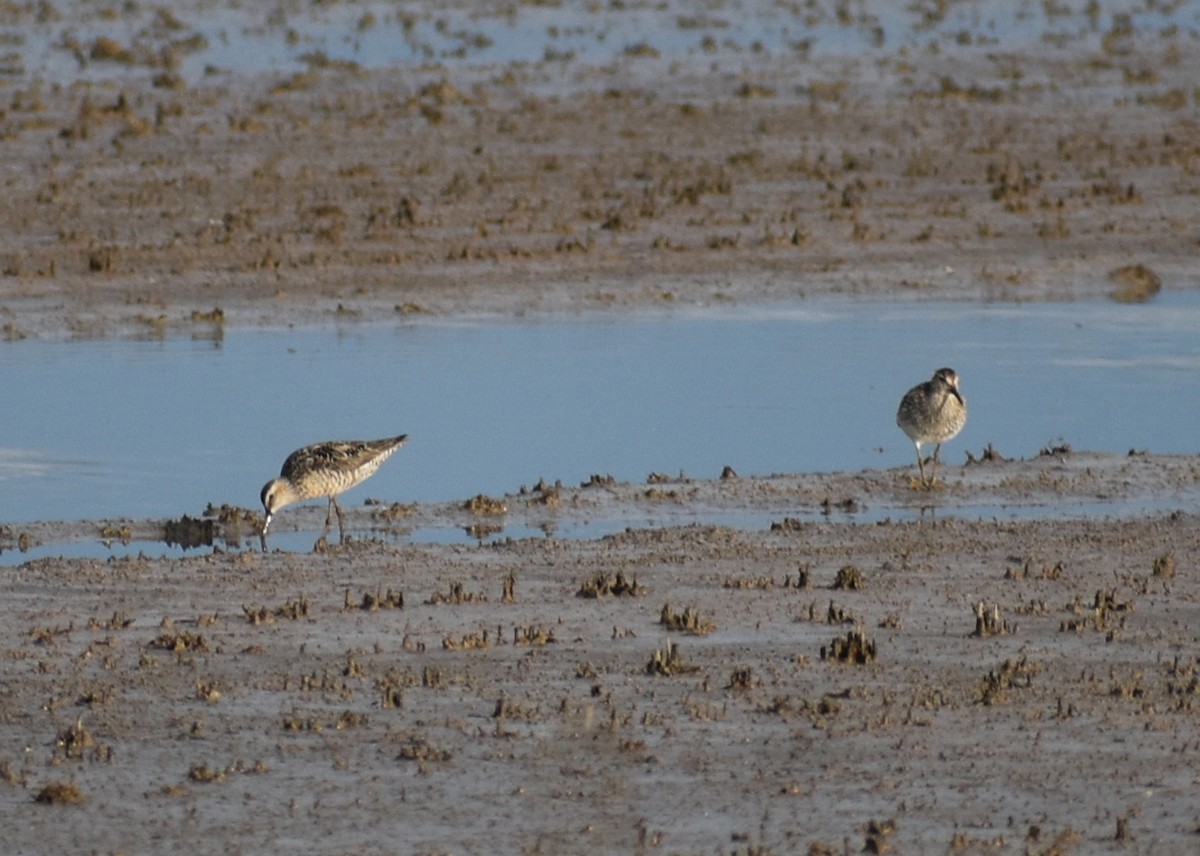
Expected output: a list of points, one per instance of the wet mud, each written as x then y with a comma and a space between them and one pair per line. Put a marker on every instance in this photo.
838, 679
928, 684
144, 201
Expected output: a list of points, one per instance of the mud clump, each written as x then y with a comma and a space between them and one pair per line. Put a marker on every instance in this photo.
1012, 185
989, 455
392, 512
1164, 567
748, 583
457, 594
420, 750
741, 680
616, 585
1105, 615
232, 525
74, 742
1135, 283
855, 649
114, 532
373, 602
988, 621
688, 621
838, 615
467, 642
180, 642
119, 621
59, 793
205, 774
599, 480
486, 506
849, 578
532, 636
667, 661
1011, 674
877, 835
291, 610
22, 540
545, 495
1058, 449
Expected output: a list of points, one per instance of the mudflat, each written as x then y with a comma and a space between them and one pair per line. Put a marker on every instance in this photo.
816, 684
820, 684
941, 165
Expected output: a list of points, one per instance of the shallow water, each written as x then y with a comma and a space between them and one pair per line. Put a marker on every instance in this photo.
254, 38
108, 429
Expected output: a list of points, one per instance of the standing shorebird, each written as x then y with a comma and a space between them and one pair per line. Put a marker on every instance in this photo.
325, 469
932, 412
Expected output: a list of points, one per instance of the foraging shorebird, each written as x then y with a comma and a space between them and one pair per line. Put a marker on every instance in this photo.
932, 412
325, 469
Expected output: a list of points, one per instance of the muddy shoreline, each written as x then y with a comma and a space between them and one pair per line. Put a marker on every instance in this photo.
844, 679
1056, 483
142, 203
936, 684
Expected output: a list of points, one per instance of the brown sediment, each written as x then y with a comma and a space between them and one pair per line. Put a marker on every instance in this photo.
162, 206
1020, 678
174, 696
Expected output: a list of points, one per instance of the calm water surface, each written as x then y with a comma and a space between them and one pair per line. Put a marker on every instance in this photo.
102, 429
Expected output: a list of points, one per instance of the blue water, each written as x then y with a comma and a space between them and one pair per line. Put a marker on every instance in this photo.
102, 429
254, 38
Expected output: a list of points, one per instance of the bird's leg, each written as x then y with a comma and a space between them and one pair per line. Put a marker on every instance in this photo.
321, 544
933, 478
341, 520
921, 466
328, 517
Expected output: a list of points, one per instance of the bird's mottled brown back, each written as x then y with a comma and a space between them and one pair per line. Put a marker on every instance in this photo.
325, 469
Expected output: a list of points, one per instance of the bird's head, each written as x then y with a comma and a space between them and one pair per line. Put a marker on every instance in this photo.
275, 495
948, 378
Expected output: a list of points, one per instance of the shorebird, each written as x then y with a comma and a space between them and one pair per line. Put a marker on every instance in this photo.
932, 412
325, 469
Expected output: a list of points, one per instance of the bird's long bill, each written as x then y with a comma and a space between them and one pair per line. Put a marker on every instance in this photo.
956, 394
266, 525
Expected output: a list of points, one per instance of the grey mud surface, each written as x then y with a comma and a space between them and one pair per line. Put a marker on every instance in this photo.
385, 697
388, 697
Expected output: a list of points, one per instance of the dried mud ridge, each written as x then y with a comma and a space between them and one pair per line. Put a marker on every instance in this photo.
924, 685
